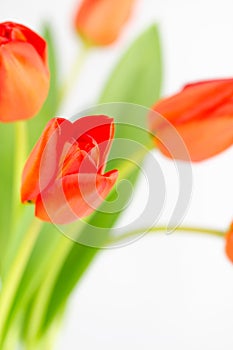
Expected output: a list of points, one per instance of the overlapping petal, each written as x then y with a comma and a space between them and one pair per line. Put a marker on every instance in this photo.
74, 196
42, 164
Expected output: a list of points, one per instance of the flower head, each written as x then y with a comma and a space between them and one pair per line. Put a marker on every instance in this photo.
202, 114
64, 174
229, 243
99, 22
24, 75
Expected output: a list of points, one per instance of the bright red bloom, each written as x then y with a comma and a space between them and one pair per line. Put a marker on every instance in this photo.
64, 174
229, 243
24, 75
100, 22
202, 114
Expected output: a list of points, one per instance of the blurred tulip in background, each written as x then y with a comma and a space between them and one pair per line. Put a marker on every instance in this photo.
202, 114
100, 22
24, 74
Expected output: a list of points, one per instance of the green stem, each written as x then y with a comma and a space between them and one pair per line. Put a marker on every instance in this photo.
76, 69
159, 229
15, 273
47, 341
20, 155
43, 297
14, 241
11, 341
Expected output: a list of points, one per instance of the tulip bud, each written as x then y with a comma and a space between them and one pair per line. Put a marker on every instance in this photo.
202, 114
229, 243
24, 75
99, 22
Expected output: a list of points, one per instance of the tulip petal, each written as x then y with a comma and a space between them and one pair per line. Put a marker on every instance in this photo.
101, 129
100, 22
70, 159
229, 243
90, 146
24, 80
74, 197
36, 41
225, 109
195, 101
77, 162
18, 32
42, 163
203, 82
203, 139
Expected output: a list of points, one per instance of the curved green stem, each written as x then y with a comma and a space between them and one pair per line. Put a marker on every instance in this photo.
75, 70
159, 229
15, 273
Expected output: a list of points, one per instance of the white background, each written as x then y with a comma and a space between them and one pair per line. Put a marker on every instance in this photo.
164, 292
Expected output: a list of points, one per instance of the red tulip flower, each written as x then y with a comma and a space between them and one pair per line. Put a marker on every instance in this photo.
100, 22
202, 114
229, 243
24, 75
64, 174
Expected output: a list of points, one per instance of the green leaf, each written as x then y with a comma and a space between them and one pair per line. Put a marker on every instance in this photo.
34, 273
6, 169
136, 79
49, 109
